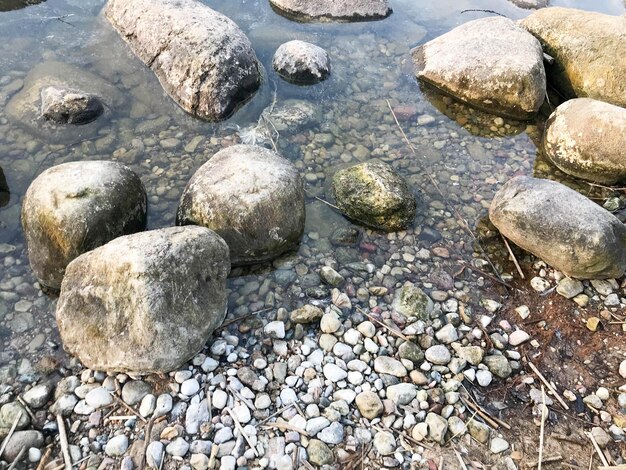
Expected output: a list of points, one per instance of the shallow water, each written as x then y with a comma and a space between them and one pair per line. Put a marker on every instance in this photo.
461, 156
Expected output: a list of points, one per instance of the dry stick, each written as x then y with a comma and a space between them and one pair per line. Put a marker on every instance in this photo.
241, 430
64, 444
44, 459
406, 436
490, 276
273, 415
129, 408
547, 384
440, 467
241, 317
598, 450
458, 456
493, 421
388, 328
614, 467
327, 203
572, 440
146, 443
11, 431
460, 218
61, 467
286, 426
163, 458
243, 399
517, 266
27, 408
542, 428
18, 458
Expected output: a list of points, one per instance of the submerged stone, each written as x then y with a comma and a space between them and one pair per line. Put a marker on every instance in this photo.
301, 62
490, 63
65, 106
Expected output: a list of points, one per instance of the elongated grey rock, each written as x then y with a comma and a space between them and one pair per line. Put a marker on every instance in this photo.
560, 226
201, 57
588, 48
333, 10
490, 63
252, 197
75, 207
145, 302
587, 138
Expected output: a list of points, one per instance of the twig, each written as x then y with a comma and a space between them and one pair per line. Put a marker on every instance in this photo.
483, 11
493, 278
286, 426
327, 203
11, 431
17, 458
552, 458
27, 408
273, 415
214, 449
241, 430
517, 266
571, 440
440, 466
44, 459
163, 458
493, 421
598, 450
241, 317
614, 467
128, 407
120, 418
407, 437
61, 467
64, 444
146, 443
388, 328
542, 427
547, 384
458, 456
243, 399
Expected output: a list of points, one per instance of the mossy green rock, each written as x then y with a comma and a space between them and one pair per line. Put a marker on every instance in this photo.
588, 48
411, 301
374, 194
144, 303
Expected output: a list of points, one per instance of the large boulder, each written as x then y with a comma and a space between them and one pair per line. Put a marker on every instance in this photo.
560, 226
37, 102
374, 194
530, 4
588, 48
333, 10
145, 302
490, 63
301, 62
201, 57
252, 197
75, 207
587, 139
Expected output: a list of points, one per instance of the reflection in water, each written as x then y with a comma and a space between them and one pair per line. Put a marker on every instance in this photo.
8, 5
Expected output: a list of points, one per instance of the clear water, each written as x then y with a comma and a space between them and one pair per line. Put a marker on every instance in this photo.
464, 152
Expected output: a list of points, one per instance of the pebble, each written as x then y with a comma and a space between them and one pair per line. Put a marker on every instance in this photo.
98, 398
438, 354
38, 396
330, 323
569, 288
390, 366
539, 284
134, 391
219, 399
319, 453
306, 314
163, 405
384, 443
275, 329
498, 445
178, 447
334, 373
369, 404
116, 446
518, 337
484, 377
437, 427
189, 387
332, 434
622, 369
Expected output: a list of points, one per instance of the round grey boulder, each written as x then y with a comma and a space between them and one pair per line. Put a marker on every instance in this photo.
144, 303
301, 62
587, 139
252, 197
333, 10
561, 227
75, 207
492, 64
65, 106
374, 194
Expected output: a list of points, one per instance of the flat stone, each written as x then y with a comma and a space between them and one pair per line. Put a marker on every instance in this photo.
334, 373
438, 354
319, 453
369, 404
116, 446
569, 288
437, 427
518, 337
385, 443
402, 393
390, 366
